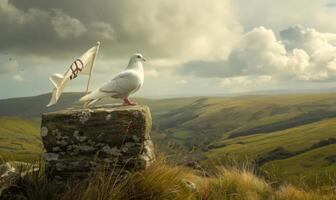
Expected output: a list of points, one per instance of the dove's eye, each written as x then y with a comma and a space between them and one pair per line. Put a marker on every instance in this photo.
138, 56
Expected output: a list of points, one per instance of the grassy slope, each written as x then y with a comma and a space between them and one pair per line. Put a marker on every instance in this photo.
19, 138
208, 120
312, 165
266, 120
308, 165
293, 139
243, 113
164, 182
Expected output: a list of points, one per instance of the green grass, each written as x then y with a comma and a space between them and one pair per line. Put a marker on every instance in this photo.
162, 181
182, 134
293, 139
213, 119
249, 126
312, 166
307, 165
19, 138
165, 181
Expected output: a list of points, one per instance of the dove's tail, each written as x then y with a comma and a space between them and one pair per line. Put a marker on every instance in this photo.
96, 94
92, 97
87, 97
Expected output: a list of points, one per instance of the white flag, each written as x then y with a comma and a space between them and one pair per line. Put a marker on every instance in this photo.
82, 65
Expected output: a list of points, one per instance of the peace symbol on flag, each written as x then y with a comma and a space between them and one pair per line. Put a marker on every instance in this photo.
75, 68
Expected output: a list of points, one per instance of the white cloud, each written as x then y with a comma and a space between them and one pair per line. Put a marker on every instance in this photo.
183, 29
238, 80
151, 73
10, 66
18, 77
246, 83
13, 15
102, 30
280, 14
181, 82
66, 26
302, 54
169, 33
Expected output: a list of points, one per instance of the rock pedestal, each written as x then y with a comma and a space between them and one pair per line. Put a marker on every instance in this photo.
79, 140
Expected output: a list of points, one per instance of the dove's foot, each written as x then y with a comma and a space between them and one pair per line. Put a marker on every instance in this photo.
127, 102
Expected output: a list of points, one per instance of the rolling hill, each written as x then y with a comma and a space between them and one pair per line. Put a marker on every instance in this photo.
275, 130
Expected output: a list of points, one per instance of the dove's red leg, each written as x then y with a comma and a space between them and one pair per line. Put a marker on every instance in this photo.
127, 102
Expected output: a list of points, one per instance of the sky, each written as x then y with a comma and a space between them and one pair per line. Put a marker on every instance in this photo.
192, 47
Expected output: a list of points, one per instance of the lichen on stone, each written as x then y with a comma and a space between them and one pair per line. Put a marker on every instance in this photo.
59, 166
78, 137
90, 142
44, 131
69, 148
104, 141
124, 149
108, 117
112, 151
56, 149
82, 148
65, 137
62, 142
57, 134
135, 138
101, 135
84, 116
50, 156
148, 153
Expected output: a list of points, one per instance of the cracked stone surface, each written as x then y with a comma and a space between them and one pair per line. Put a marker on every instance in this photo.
78, 140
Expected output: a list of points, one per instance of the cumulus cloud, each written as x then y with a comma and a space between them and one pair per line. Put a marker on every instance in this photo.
280, 14
217, 39
66, 26
102, 30
18, 77
151, 73
245, 80
10, 66
185, 29
175, 29
181, 82
12, 15
302, 54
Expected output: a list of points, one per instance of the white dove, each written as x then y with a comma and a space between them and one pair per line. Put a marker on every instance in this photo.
122, 85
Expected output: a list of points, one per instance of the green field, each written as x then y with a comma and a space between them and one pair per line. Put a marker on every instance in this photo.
19, 138
285, 134
292, 139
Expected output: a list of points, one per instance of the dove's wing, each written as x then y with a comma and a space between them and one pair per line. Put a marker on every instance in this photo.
123, 83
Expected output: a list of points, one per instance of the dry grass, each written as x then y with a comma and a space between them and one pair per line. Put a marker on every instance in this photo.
162, 181
288, 192
235, 184
159, 181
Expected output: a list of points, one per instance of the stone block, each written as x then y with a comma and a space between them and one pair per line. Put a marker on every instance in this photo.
78, 141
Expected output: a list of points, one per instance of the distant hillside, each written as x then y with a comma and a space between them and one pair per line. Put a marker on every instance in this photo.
273, 129
206, 120
35, 105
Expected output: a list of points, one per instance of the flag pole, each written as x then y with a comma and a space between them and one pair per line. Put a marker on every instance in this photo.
93, 62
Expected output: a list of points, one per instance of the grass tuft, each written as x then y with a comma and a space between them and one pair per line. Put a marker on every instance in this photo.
163, 181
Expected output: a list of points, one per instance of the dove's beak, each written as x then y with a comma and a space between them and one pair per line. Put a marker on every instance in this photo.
143, 59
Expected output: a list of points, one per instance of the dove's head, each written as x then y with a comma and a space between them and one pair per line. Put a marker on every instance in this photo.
137, 57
